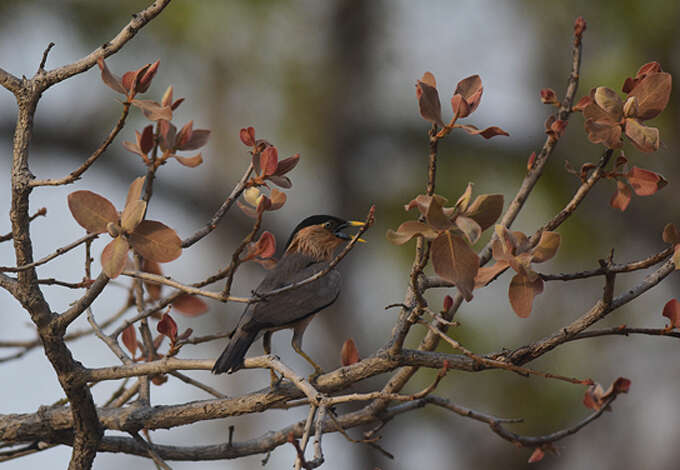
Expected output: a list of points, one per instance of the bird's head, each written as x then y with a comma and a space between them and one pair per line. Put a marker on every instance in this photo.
319, 235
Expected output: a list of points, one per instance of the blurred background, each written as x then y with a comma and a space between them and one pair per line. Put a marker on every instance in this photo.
334, 81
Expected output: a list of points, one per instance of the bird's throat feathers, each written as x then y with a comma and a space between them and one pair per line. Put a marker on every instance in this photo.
314, 241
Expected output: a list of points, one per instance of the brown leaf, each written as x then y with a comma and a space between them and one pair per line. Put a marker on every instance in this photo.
448, 303
470, 89
247, 210
582, 103
92, 211
546, 248
410, 229
198, 138
537, 455
621, 197
620, 385
168, 135
247, 136
130, 339
645, 182
522, 293
190, 162
153, 111
548, 96
671, 234
190, 305
609, 101
455, 261
132, 215
112, 81
278, 199
349, 354
266, 245
168, 327
114, 257
676, 256
184, 135
469, 227
653, 93
135, 190
644, 138
156, 241
428, 99
287, 164
152, 288
145, 139
435, 215
269, 161
486, 209
486, 133
147, 76
464, 200
281, 181
672, 311
488, 273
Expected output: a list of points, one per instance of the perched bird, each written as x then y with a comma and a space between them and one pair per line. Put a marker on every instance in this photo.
309, 250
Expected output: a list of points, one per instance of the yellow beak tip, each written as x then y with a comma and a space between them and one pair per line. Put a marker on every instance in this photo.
356, 223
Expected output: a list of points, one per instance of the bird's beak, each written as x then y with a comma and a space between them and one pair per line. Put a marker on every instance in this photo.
350, 223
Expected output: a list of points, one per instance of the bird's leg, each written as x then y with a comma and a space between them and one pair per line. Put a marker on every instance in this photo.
267, 346
297, 345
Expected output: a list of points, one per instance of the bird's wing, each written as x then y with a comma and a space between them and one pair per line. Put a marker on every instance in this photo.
295, 304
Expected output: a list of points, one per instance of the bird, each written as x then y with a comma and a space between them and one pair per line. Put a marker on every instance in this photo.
308, 251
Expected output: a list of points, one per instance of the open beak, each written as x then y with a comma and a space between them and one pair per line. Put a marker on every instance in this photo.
351, 223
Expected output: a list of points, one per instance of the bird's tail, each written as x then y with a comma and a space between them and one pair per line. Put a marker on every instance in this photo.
231, 358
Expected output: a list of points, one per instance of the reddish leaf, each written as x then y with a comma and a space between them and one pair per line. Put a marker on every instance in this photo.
198, 138
168, 135
428, 99
621, 197
531, 161
620, 385
112, 81
145, 80
579, 27
281, 181
582, 103
266, 245
643, 71
92, 211
184, 135
168, 327
287, 165
487, 133
349, 354
455, 261
557, 128
410, 229
672, 311
114, 257
247, 136
522, 292
448, 303
653, 93
435, 215
469, 228
130, 339
537, 455
145, 139
645, 182
156, 241
269, 160
135, 190
152, 288
470, 89
132, 215
190, 305
190, 162
152, 110
548, 96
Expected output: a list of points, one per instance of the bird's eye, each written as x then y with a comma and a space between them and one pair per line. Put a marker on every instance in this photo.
326, 225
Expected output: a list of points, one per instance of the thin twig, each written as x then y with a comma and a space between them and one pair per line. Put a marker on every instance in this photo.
58, 252
206, 388
39, 212
152, 453
226, 205
41, 67
166, 280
